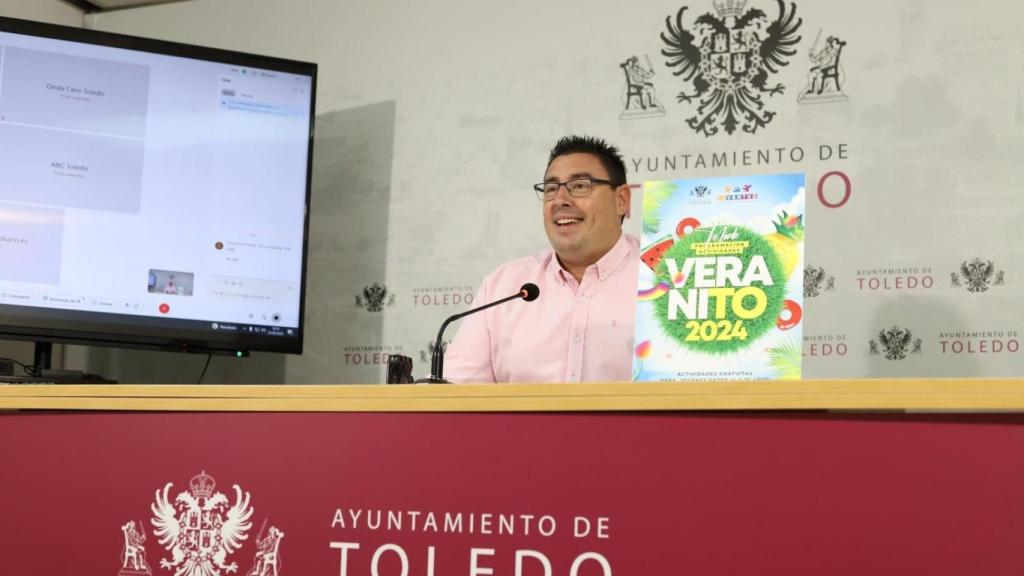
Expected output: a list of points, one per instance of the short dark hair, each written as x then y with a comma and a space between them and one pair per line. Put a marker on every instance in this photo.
609, 155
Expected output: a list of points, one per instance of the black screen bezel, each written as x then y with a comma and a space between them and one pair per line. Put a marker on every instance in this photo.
134, 331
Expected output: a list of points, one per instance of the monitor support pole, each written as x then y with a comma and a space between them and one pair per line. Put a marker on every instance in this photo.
43, 357
43, 364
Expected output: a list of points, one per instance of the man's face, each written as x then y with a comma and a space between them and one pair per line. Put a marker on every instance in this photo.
582, 230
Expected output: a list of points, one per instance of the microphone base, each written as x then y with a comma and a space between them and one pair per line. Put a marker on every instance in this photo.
433, 380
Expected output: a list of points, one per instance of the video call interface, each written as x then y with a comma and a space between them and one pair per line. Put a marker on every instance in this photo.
151, 185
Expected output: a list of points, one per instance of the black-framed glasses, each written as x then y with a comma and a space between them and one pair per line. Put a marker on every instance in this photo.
577, 187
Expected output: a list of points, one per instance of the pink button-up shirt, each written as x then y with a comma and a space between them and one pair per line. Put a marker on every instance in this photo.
574, 332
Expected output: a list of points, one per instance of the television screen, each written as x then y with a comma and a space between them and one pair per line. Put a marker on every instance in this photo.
152, 194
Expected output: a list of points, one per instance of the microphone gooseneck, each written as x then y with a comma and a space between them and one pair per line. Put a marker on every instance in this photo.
528, 292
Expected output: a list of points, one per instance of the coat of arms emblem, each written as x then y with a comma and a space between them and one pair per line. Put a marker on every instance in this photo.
979, 275
426, 355
200, 527
374, 297
895, 343
730, 58
816, 281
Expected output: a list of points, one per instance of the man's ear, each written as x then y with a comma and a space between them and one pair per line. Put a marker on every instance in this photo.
623, 194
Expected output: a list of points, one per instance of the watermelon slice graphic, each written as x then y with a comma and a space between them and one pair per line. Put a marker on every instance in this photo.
653, 253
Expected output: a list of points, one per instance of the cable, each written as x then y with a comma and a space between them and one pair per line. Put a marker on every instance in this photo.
208, 358
29, 370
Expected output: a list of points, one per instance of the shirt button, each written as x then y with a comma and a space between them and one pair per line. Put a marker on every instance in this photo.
582, 299
576, 339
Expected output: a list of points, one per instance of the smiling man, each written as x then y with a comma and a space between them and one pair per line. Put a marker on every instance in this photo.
581, 327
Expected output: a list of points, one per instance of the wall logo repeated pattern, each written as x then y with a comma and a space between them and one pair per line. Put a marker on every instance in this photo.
895, 343
427, 355
826, 77
977, 276
730, 59
816, 281
373, 297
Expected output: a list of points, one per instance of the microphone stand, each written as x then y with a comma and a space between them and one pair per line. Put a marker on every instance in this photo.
437, 359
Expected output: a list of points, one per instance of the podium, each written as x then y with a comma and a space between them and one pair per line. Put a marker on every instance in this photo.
825, 477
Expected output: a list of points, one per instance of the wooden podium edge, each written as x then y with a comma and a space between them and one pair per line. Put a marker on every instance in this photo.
939, 395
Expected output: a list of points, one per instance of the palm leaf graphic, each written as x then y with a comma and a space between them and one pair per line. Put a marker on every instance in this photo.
655, 194
785, 358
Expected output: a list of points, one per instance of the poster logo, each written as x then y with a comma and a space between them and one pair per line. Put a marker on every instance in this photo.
729, 60
895, 343
700, 195
737, 193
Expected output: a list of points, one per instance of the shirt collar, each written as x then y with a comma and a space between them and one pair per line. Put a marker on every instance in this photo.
606, 266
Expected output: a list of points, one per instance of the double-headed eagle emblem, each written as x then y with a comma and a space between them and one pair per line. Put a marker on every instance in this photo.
977, 274
199, 528
373, 297
729, 59
895, 343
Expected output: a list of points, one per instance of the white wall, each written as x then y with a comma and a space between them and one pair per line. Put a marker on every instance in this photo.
435, 118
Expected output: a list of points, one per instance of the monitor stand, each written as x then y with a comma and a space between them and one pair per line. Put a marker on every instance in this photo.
42, 361
42, 357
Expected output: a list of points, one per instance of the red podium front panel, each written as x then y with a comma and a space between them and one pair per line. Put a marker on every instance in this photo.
202, 494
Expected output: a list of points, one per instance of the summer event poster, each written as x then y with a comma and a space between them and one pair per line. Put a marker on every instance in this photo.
721, 279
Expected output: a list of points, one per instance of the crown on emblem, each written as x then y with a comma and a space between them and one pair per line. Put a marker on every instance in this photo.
728, 8
202, 485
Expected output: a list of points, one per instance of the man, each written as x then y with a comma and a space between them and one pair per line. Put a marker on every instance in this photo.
581, 326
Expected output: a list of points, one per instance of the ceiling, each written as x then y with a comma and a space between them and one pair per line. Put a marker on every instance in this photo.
94, 6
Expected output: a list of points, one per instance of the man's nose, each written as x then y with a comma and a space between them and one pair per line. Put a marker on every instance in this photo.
562, 196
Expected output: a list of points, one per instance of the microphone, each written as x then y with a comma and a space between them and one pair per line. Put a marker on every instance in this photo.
528, 292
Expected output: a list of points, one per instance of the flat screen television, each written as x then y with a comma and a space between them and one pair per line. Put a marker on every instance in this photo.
152, 194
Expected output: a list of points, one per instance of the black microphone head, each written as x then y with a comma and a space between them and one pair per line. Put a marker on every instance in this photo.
530, 291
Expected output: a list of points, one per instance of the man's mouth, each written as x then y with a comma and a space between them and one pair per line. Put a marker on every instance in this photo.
567, 221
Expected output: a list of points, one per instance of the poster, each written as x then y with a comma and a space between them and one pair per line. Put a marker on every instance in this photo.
720, 292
